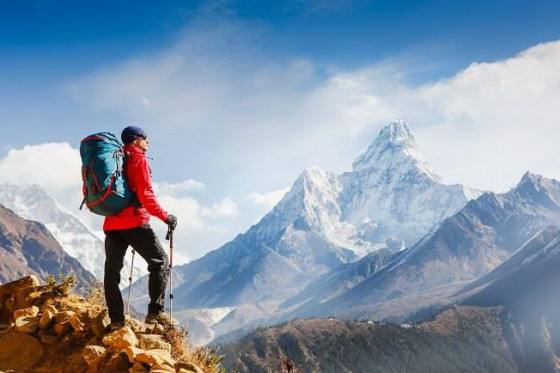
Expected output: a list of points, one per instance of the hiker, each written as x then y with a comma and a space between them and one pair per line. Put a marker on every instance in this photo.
130, 227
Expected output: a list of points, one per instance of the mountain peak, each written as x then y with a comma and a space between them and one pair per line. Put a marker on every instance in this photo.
540, 189
397, 135
395, 146
533, 181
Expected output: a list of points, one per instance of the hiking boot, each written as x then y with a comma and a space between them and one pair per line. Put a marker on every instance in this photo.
160, 318
114, 326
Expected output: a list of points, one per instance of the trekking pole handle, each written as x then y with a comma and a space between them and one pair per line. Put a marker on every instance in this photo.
169, 235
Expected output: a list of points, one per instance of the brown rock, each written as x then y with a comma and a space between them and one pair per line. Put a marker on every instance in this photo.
62, 328
28, 324
113, 362
26, 312
136, 325
138, 368
183, 367
132, 352
162, 368
157, 329
63, 316
153, 342
10, 304
49, 339
80, 322
49, 311
100, 323
155, 357
15, 357
27, 297
23, 282
92, 354
121, 339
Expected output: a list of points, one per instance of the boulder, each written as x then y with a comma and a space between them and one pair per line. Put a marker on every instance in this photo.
49, 311
26, 312
132, 352
49, 339
184, 367
156, 357
63, 317
113, 362
24, 282
162, 368
28, 324
62, 328
27, 297
17, 358
92, 354
138, 368
10, 304
100, 323
80, 322
153, 342
121, 339
136, 325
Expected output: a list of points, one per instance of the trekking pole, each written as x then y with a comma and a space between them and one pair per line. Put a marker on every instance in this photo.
130, 284
170, 238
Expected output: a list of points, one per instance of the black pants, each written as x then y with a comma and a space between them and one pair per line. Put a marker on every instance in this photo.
145, 242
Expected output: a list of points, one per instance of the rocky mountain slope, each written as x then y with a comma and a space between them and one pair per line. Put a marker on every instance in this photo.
466, 246
389, 200
77, 240
464, 339
27, 247
44, 328
527, 285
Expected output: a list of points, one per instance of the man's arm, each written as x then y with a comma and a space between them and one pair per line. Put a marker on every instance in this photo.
143, 184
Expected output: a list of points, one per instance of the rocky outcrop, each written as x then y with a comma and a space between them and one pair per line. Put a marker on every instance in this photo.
44, 331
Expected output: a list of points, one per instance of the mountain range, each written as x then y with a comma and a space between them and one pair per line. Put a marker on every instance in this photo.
389, 200
464, 247
513, 326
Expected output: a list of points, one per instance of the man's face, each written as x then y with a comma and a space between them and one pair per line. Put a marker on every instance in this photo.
142, 143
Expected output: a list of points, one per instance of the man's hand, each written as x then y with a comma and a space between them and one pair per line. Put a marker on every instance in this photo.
171, 222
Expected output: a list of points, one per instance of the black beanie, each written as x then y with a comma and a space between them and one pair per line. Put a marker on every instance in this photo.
131, 133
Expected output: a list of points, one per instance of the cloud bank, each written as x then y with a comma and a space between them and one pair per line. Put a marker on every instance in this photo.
221, 107
50, 166
250, 121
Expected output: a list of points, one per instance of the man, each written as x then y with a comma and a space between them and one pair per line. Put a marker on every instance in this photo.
130, 227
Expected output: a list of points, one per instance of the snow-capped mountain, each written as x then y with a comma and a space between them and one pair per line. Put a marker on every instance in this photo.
28, 248
33, 203
393, 194
466, 246
390, 199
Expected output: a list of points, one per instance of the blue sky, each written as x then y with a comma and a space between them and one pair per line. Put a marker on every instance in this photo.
239, 96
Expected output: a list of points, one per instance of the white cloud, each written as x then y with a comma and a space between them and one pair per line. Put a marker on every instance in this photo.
491, 122
180, 189
224, 208
243, 119
267, 200
144, 101
53, 166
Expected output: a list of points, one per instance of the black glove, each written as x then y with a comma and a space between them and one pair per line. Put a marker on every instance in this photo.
171, 222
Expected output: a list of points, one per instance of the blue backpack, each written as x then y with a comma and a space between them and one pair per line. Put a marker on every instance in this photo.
104, 185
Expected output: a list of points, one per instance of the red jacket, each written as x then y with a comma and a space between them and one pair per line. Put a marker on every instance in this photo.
137, 173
